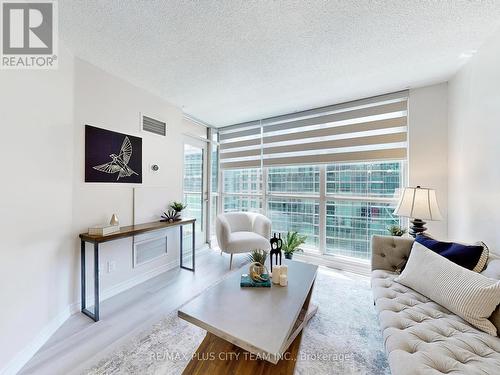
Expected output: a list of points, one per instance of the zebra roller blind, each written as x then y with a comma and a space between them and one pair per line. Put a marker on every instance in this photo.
241, 145
368, 129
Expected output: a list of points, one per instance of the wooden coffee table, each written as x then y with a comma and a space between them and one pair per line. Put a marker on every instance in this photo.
252, 330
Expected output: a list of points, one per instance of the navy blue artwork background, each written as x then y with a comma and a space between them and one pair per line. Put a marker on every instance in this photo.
99, 144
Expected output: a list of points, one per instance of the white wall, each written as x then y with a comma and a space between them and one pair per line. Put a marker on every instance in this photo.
108, 102
474, 152
37, 247
428, 147
45, 202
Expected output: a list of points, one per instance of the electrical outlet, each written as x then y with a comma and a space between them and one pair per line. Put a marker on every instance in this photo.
111, 266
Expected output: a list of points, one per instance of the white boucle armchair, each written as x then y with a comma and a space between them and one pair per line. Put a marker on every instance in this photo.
242, 232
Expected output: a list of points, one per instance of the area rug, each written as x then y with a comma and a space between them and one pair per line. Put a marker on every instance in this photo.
342, 338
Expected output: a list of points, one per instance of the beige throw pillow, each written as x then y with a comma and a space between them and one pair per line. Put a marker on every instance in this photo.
468, 294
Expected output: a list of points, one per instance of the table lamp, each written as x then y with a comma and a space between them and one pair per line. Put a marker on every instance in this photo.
419, 204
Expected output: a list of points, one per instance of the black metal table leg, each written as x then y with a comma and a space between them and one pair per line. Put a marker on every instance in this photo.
181, 245
182, 249
95, 315
96, 281
82, 273
193, 239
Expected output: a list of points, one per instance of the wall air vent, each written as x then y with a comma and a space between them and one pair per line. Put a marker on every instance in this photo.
154, 126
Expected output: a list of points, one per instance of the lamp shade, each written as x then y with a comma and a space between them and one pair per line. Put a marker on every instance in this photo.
418, 203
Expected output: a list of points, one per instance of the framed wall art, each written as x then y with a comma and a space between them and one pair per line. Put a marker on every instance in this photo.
112, 157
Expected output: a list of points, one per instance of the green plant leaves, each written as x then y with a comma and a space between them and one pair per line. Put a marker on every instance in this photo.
177, 206
258, 256
292, 242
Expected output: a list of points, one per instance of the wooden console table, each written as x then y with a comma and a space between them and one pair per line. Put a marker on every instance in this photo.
124, 232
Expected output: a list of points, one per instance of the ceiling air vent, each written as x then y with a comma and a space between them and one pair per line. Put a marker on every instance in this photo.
154, 126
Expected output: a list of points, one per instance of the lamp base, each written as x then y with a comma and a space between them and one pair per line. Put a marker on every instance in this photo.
417, 227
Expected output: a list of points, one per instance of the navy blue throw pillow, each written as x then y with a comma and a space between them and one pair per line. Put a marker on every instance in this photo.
472, 257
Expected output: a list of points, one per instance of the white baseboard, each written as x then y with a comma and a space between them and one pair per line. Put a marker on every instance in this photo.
17, 363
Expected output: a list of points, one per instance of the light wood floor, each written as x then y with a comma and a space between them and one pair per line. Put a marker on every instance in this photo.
80, 342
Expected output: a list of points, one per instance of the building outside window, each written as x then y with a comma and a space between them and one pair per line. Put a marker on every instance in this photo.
356, 202
193, 182
360, 201
293, 201
242, 190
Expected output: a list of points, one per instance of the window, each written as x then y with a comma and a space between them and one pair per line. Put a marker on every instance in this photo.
293, 201
357, 199
242, 190
360, 201
243, 181
293, 180
240, 203
350, 225
363, 179
331, 173
292, 214
193, 181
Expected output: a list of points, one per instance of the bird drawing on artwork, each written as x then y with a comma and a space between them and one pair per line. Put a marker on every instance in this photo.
119, 164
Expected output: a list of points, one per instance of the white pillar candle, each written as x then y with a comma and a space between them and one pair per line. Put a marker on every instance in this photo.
283, 280
276, 274
284, 270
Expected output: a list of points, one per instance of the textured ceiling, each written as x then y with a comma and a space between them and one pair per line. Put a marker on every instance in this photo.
230, 61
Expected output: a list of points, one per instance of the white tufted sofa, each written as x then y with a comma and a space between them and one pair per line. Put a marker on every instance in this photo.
420, 336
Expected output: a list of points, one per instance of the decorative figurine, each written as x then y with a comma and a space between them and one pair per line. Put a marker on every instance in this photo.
258, 272
114, 220
276, 245
170, 216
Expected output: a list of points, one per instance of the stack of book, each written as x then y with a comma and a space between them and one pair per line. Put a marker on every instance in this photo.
247, 282
103, 230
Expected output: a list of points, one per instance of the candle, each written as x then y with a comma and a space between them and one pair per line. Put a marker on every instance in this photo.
276, 274
283, 280
284, 270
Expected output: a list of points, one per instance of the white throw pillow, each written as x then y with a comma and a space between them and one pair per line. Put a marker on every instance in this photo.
468, 294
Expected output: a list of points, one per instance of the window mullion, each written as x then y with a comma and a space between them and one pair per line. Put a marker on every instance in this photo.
322, 209
264, 191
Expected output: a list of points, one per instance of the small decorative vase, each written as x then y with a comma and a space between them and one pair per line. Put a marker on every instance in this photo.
288, 255
258, 272
178, 215
259, 269
114, 220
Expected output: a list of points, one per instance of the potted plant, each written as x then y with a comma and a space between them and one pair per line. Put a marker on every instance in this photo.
178, 207
258, 256
291, 243
396, 230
